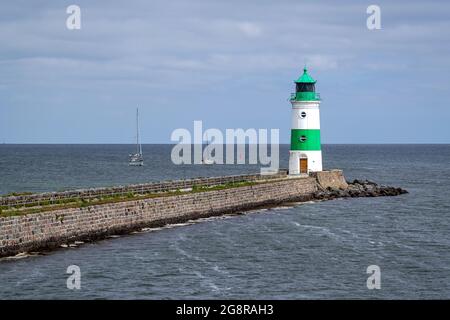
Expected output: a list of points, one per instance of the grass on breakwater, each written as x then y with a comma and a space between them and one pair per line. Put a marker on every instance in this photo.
45, 206
15, 194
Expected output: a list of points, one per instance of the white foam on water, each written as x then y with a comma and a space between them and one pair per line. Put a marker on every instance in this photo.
219, 270
212, 218
21, 255
322, 230
282, 208
169, 226
254, 211
296, 204
151, 229
402, 245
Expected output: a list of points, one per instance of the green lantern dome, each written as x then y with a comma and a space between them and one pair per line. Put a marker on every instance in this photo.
305, 89
305, 77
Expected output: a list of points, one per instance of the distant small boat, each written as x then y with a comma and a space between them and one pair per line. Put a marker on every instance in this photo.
137, 158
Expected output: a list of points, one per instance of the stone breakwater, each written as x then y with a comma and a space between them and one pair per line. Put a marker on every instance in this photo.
52, 229
358, 188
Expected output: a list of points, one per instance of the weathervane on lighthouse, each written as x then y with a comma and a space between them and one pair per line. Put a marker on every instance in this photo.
305, 154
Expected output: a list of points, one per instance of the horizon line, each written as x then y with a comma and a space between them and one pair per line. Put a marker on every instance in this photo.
167, 143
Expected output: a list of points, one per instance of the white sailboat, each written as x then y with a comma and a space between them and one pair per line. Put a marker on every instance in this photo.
137, 159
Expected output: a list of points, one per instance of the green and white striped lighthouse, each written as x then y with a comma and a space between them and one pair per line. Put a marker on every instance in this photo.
305, 153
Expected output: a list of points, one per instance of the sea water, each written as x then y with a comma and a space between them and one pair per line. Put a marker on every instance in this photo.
310, 250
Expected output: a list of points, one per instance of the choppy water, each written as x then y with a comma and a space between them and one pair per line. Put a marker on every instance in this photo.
313, 250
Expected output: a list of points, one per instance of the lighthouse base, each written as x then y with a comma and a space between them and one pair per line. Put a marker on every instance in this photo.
303, 162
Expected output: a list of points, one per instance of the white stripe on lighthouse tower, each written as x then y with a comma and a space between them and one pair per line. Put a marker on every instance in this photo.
310, 121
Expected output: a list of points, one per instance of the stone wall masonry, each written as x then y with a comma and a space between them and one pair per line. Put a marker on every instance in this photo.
145, 188
47, 230
331, 179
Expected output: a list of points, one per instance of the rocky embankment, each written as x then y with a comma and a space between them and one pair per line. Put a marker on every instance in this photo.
358, 188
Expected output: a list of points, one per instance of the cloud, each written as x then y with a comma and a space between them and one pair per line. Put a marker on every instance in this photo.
322, 62
250, 29
155, 51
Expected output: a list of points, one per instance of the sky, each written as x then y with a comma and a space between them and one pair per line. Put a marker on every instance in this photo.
228, 63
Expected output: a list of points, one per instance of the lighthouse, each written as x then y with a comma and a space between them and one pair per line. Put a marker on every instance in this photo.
305, 155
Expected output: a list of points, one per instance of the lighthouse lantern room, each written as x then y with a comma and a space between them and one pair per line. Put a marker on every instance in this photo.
305, 152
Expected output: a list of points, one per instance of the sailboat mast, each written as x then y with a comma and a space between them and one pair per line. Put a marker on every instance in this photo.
137, 130
138, 144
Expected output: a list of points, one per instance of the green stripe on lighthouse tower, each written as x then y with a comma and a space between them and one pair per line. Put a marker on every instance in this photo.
305, 152
311, 139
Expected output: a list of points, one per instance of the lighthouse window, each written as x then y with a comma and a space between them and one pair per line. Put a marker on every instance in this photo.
302, 139
305, 87
303, 114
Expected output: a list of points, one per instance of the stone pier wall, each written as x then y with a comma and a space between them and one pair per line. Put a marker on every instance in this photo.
48, 230
144, 188
331, 179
